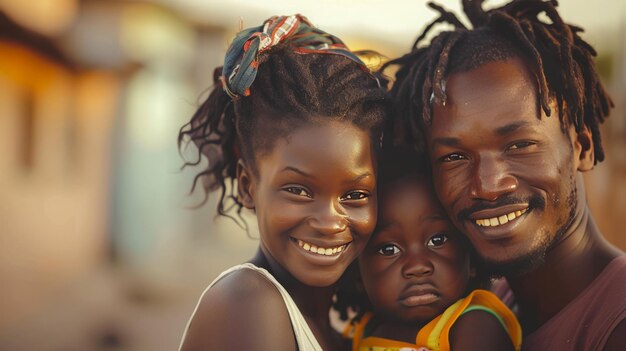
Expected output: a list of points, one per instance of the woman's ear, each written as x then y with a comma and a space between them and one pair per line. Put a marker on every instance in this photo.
583, 148
245, 185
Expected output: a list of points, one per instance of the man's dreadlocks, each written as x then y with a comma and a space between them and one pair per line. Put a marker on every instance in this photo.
560, 60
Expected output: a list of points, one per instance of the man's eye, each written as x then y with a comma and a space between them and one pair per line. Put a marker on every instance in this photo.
437, 240
452, 157
388, 250
355, 195
297, 190
521, 145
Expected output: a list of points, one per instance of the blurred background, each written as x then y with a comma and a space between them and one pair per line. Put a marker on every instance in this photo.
100, 245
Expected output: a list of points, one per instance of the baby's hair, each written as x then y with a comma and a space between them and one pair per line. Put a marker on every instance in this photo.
292, 87
559, 59
396, 162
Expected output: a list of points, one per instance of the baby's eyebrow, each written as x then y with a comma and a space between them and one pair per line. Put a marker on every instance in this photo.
381, 227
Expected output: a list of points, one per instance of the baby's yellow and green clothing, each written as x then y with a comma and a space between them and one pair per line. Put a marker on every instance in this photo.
435, 334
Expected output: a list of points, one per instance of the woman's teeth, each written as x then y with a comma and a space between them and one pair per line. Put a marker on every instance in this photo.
496, 221
326, 251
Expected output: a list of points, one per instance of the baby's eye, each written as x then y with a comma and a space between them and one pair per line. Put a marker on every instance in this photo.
298, 190
452, 157
437, 240
388, 250
355, 195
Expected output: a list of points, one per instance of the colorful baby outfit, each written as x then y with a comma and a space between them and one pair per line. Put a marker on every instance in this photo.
435, 334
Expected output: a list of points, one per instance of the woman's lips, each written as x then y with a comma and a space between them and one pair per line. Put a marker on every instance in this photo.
320, 250
325, 255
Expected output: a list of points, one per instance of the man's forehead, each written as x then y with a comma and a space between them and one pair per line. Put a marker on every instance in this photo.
500, 79
500, 92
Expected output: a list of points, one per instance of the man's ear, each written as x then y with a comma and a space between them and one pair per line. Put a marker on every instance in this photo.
245, 185
583, 148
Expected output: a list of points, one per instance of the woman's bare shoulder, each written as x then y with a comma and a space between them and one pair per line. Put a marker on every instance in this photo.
243, 310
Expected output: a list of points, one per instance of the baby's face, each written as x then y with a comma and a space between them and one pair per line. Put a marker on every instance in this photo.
416, 264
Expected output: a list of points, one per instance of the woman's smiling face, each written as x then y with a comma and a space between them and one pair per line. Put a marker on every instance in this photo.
314, 195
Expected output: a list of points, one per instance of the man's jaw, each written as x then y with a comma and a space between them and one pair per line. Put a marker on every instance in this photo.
500, 227
520, 265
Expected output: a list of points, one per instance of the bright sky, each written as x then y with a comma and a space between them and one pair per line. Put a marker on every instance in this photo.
396, 24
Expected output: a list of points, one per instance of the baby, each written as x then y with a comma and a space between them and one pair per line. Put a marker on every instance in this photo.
422, 276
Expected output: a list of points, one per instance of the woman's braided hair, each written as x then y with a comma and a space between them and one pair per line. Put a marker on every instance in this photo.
292, 86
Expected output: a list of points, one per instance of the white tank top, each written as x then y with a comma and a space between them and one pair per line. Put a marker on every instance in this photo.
304, 336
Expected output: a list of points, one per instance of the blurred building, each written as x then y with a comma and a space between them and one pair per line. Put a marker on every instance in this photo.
55, 135
95, 219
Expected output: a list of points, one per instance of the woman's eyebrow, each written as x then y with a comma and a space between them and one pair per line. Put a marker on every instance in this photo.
361, 176
296, 170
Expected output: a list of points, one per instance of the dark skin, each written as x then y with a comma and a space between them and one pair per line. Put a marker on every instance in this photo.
493, 157
315, 189
416, 265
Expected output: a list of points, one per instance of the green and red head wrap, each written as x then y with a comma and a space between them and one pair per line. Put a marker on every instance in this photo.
241, 61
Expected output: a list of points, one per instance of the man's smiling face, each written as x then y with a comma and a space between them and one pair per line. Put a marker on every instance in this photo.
506, 177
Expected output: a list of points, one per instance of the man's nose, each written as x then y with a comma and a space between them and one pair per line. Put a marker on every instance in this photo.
491, 179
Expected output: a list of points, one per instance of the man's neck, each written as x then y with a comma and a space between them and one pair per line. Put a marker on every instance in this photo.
570, 266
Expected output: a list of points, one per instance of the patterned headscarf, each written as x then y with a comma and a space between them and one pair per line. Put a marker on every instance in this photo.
241, 61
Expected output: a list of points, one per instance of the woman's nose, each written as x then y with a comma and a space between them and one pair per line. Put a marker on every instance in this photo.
328, 220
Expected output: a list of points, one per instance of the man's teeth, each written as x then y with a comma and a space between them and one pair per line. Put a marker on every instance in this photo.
325, 251
496, 221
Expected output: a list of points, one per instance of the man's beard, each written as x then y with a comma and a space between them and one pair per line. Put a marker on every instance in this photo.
536, 258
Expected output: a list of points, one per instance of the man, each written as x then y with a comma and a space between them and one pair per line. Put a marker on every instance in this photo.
509, 112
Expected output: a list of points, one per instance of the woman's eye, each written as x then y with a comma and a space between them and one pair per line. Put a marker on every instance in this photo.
437, 240
388, 250
521, 145
355, 195
297, 190
452, 157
